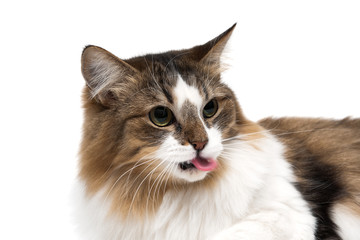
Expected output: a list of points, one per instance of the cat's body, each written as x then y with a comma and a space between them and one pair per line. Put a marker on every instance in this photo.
325, 156
168, 154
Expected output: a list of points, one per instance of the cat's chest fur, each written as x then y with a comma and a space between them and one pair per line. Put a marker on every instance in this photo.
255, 175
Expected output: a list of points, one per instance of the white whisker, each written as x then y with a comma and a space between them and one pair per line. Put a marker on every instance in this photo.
138, 188
163, 172
118, 179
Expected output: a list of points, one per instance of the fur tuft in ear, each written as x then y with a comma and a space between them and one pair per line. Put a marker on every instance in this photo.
103, 73
211, 51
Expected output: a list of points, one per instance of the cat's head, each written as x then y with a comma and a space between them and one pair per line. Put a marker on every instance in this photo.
157, 119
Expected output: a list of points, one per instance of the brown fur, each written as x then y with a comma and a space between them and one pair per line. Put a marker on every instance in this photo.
119, 136
325, 155
118, 132
336, 143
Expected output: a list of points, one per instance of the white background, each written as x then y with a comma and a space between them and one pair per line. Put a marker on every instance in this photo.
288, 58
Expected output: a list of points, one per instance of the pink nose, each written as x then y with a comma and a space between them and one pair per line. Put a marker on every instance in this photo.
199, 145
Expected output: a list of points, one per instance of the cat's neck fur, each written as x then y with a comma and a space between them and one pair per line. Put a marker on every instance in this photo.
255, 165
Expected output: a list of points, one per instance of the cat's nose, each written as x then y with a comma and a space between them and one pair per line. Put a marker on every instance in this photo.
199, 145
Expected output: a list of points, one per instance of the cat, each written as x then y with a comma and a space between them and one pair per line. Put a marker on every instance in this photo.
167, 153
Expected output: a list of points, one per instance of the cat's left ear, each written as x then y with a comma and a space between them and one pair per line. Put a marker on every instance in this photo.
210, 52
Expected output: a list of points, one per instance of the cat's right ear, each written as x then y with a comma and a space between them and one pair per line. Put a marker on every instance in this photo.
105, 74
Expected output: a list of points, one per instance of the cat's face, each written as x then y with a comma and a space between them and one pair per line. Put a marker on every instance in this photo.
187, 125
156, 118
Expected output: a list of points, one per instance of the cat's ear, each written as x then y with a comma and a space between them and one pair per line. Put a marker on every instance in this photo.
210, 52
104, 73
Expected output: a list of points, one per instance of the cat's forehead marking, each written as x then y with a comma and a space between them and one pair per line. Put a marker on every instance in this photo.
184, 91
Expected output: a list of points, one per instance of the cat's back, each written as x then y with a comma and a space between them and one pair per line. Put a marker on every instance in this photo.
335, 142
325, 155
315, 133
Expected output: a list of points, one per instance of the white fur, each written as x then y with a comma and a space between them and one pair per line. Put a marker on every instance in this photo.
184, 92
254, 199
347, 221
104, 75
171, 152
171, 149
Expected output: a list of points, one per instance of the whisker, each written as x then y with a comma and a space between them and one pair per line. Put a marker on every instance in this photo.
134, 180
118, 179
129, 170
242, 136
157, 188
169, 173
138, 188
163, 172
173, 168
144, 157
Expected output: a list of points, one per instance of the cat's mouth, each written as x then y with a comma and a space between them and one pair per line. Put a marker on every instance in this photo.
199, 163
188, 165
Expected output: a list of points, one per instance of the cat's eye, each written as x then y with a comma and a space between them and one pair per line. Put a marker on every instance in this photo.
210, 109
161, 116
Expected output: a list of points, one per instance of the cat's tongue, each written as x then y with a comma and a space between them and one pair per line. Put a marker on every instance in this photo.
203, 164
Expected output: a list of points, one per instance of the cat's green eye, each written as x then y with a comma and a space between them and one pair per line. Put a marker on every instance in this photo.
161, 116
210, 109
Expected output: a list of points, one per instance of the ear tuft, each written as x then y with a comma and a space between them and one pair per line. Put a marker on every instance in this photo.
211, 51
102, 71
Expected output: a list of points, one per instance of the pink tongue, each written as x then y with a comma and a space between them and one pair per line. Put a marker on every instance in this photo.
204, 164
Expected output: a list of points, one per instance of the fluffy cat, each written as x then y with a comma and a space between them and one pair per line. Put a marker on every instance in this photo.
168, 154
